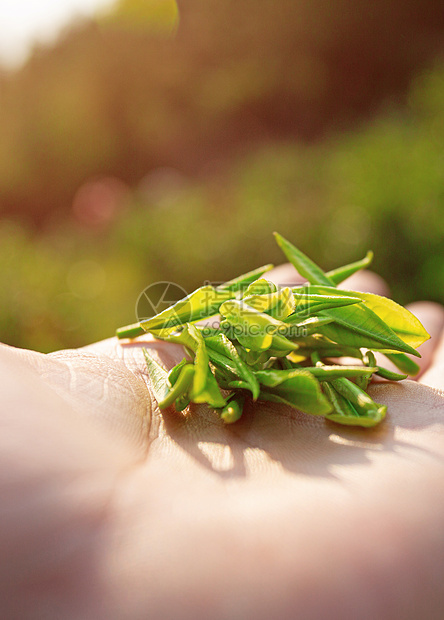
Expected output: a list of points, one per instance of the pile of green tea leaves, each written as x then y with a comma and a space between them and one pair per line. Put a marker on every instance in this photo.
281, 344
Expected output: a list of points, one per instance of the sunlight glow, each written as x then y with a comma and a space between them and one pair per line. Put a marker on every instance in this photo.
26, 22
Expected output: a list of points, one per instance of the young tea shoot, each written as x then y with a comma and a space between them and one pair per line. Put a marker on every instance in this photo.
281, 344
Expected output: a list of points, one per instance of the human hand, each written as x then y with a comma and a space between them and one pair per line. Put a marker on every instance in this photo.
111, 509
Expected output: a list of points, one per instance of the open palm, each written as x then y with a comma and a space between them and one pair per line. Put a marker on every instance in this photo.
111, 509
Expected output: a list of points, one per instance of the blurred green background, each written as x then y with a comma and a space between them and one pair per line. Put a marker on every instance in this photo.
142, 147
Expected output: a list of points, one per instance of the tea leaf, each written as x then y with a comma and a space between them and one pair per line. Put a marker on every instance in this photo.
233, 409
308, 303
304, 265
399, 319
389, 374
158, 377
241, 283
301, 391
404, 363
223, 346
262, 339
336, 276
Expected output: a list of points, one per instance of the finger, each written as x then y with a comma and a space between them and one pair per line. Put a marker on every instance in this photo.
431, 316
285, 275
434, 375
366, 281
